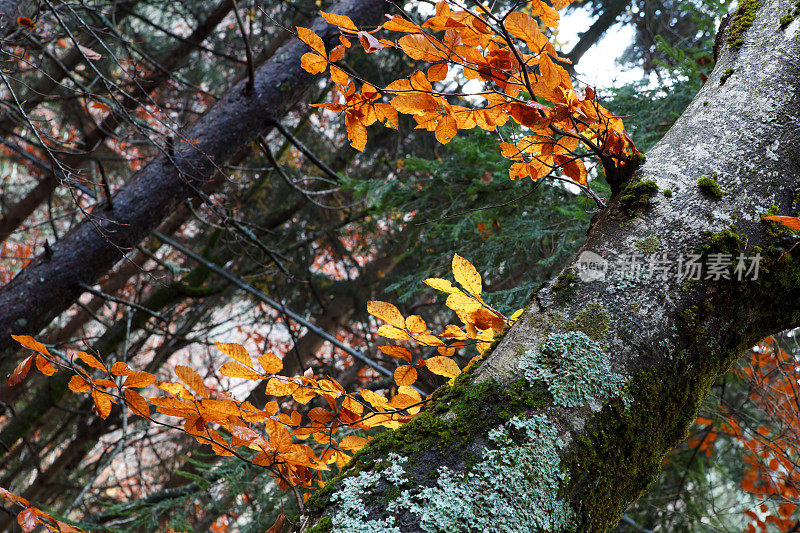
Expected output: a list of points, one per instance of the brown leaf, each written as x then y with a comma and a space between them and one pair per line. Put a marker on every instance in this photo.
369, 42
19, 373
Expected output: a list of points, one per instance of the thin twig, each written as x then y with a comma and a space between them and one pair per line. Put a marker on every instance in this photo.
251, 70
111, 298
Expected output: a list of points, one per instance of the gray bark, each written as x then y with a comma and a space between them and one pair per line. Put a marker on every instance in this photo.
52, 281
568, 418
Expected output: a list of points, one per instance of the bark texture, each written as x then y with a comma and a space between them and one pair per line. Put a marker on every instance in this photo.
51, 282
567, 420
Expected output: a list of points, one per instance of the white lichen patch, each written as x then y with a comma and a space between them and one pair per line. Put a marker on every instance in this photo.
513, 488
574, 367
352, 511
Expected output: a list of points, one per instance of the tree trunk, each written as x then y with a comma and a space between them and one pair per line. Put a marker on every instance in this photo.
567, 420
52, 281
135, 97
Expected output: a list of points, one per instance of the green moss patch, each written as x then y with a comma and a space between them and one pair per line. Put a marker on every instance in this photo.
742, 20
648, 245
710, 187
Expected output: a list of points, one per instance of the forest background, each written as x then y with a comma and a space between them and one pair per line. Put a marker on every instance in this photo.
94, 90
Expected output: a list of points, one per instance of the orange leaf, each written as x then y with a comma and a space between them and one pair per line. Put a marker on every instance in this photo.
270, 363
29, 342
277, 387
236, 370
342, 21
26, 22
312, 39
398, 23
139, 379
420, 48
313, 63
396, 351
90, 360
192, 379
444, 366
789, 222
78, 384
446, 129
137, 403
44, 365
437, 72
405, 375
19, 373
339, 76
524, 27
235, 351
102, 402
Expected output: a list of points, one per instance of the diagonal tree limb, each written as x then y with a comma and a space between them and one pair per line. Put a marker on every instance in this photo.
49, 284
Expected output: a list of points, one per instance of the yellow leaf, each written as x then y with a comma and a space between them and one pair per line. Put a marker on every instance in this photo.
516, 315
415, 324
391, 332
466, 275
236, 370
352, 442
405, 375
137, 403
270, 363
461, 303
441, 285
339, 76
236, 352
312, 39
444, 366
386, 312
192, 379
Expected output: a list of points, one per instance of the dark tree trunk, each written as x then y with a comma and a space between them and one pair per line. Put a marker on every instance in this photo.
51, 282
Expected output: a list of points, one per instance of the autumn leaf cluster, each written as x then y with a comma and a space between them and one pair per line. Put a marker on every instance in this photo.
512, 59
